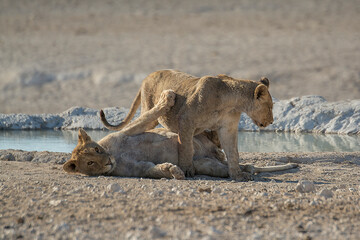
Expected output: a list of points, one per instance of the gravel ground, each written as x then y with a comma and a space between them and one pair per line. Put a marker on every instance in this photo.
40, 201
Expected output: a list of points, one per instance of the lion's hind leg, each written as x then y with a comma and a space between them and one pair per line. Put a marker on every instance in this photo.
166, 170
210, 167
148, 119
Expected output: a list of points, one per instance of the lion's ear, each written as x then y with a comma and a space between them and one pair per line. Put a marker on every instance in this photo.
260, 91
265, 81
83, 137
70, 166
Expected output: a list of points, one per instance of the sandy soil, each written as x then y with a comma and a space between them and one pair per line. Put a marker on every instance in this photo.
59, 54
40, 201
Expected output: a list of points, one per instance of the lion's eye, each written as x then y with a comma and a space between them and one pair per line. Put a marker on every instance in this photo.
97, 150
90, 163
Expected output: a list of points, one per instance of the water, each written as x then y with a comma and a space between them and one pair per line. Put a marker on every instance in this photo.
65, 141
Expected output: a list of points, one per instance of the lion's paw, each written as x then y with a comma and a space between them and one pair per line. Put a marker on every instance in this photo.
189, 170
171, 171
238, 175
177, 173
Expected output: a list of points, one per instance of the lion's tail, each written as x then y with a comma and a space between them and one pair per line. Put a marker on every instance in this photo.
133, 108
275, 168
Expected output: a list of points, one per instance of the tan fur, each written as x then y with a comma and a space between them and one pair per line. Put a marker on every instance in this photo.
134, 153
206, 103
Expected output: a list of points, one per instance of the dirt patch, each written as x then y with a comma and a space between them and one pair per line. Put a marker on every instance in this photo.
39, 200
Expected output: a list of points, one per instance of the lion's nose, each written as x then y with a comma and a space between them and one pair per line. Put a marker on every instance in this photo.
261, 125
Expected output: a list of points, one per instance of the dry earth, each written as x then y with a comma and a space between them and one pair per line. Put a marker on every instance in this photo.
57, 54
40, 201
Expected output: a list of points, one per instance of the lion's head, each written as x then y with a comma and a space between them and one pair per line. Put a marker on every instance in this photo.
261, 111
89, 158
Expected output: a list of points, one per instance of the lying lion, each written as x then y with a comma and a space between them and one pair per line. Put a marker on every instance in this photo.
206, 103
154, 154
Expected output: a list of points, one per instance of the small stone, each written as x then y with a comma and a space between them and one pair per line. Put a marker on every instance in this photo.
7, 157
326, 193
217, 190
76, 190
289, 203
212, 230
305, 186
55, 203
264, 194
114, 187
204, 189
20, 220
61, 227
104, 195
156, 232
244, 199
313, 203
352, 189
287, 194
55, 189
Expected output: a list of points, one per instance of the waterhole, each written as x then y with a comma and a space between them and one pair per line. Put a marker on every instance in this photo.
65, 141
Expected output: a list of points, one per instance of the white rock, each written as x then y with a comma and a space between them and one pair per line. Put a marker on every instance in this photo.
299, 114
55, 189
217, 190
55, 203
114, 187
104, 195
305, 186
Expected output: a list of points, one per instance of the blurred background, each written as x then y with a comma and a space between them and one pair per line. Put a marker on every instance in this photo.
55, 54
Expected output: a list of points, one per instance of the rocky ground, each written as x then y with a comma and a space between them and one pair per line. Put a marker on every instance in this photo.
40, 201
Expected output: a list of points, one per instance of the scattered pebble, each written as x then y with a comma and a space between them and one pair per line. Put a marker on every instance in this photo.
104, 195
305, 186
55, 203
204, 189
55, 189
114, 187
326, 193
264, 194
217, 190
156, 232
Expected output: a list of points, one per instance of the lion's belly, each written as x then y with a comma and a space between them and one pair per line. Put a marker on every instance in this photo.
150, 147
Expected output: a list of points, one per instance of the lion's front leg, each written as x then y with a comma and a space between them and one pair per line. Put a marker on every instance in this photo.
165, 170
228, 139
186, 149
